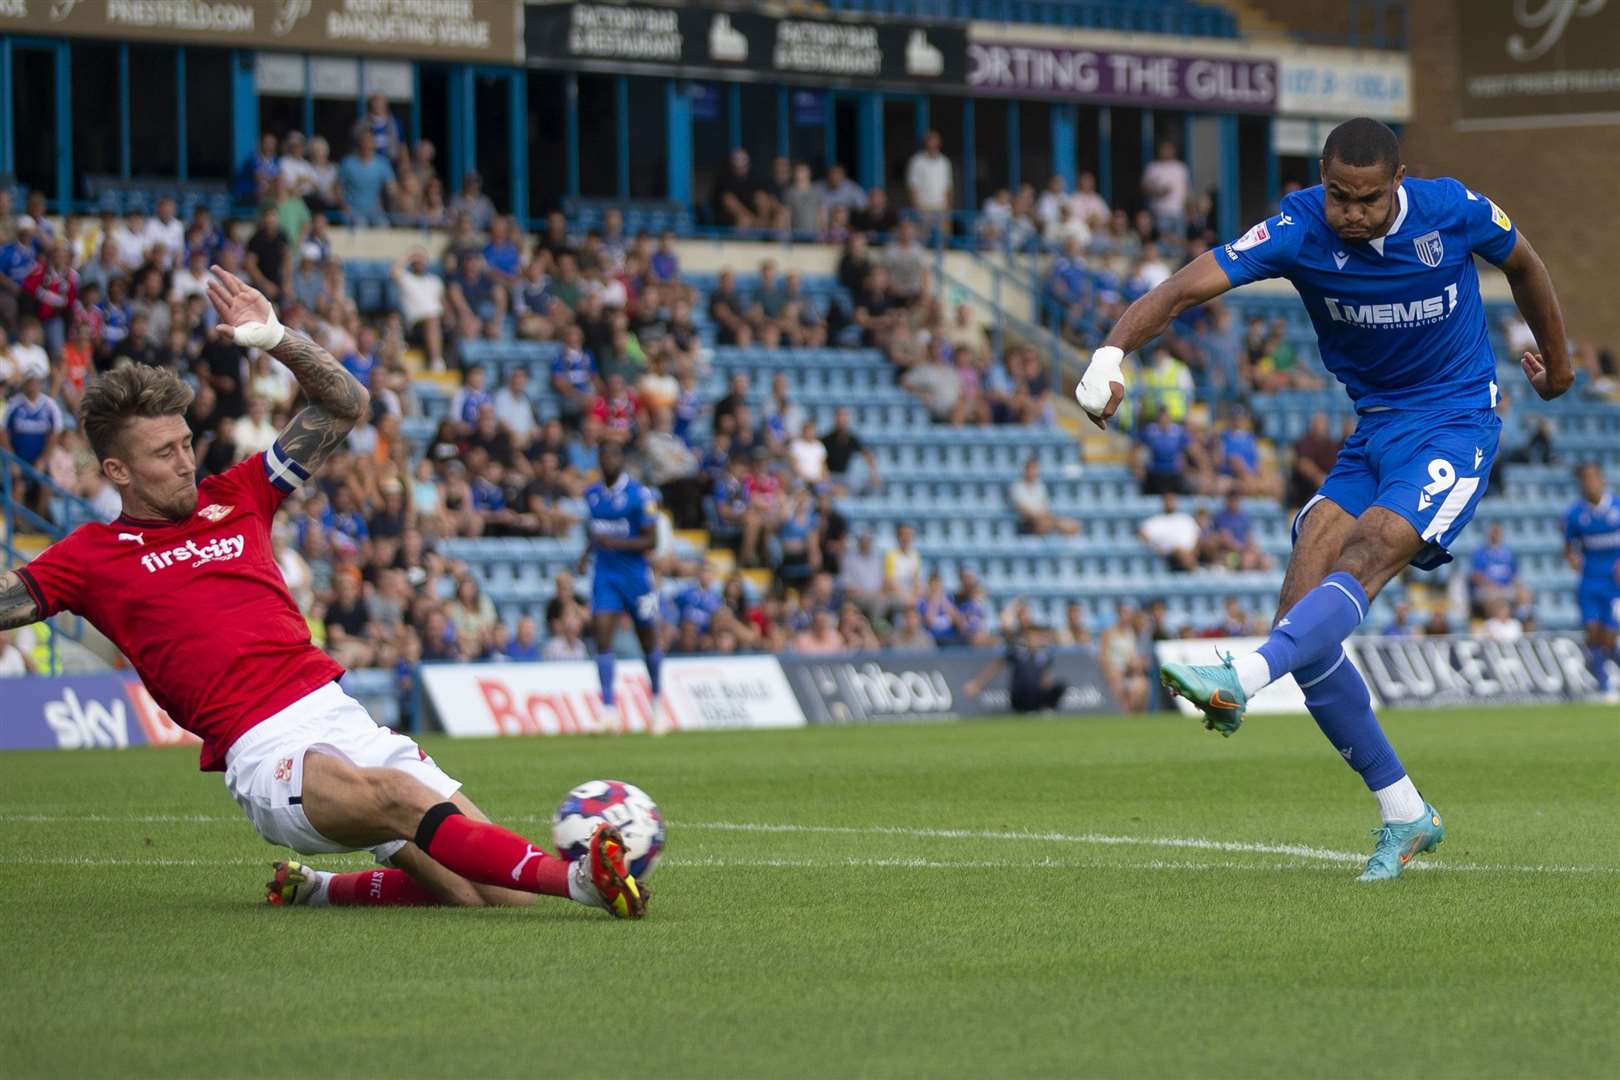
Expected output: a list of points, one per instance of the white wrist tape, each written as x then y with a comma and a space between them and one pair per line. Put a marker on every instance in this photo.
260, 335
1093, 392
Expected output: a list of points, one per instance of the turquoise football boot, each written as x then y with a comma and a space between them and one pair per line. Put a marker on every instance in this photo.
1400, 843
1214, 688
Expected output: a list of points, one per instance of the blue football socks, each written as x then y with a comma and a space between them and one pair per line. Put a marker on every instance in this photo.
604, 671
1315, 627
655, 664
1337, 698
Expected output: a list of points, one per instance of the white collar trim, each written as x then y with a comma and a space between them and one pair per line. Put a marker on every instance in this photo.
1378, 243
618, 486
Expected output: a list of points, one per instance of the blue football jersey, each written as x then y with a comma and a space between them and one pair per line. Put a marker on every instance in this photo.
1595, 530
1399, 319
623, 510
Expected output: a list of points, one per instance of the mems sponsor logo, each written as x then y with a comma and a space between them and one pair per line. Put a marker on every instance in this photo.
1424, 312
218, 549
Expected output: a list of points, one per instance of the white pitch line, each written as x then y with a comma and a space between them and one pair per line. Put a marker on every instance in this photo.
1240, 847
1300, 851
851, 862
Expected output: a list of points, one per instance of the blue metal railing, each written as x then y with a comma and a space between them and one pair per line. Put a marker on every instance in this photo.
1063, 361
16, 517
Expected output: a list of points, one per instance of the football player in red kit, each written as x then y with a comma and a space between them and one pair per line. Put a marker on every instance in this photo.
183, 582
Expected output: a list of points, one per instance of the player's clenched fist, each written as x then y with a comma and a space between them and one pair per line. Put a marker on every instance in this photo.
1102, 387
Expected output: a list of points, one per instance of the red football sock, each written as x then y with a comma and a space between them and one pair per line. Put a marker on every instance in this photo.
489, 854
377, 888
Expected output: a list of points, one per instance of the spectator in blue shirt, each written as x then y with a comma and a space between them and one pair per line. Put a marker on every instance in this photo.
699, 601
384, 128
666, 265
940, 616
363, 360
17, 259
504, 258
1239, 451
1070, 283
573, 377
524, 647
974, 607
364, 178
1161, 458
348, 520
1234, 537
259, 172
1493, 574
471, 398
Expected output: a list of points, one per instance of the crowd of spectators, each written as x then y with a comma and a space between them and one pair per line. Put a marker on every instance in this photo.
361, 548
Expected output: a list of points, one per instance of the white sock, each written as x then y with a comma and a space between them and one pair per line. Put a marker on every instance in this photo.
1400, 802
318, 898
580, 886
1253, 673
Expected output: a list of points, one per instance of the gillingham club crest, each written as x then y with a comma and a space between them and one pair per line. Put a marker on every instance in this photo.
1429, 248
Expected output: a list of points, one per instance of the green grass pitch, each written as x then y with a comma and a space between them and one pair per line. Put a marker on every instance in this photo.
1126, 897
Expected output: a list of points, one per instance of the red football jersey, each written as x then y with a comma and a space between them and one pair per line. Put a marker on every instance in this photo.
198, 606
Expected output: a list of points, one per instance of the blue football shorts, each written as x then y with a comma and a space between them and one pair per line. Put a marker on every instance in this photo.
1431, 468
1599, 602
631, 594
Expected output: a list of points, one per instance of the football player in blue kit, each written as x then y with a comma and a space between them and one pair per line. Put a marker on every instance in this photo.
622, 531
1385, 267
1592, 546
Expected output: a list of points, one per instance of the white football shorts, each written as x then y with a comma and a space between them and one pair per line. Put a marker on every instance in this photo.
264, 770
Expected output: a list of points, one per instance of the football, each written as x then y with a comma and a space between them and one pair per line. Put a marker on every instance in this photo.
618, 803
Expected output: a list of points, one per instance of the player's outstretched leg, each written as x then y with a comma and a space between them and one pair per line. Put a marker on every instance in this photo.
1337, 698
361, 808
1380, 543
294, 883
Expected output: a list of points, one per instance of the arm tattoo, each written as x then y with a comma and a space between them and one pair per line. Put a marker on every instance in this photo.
337, 402
16, 606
